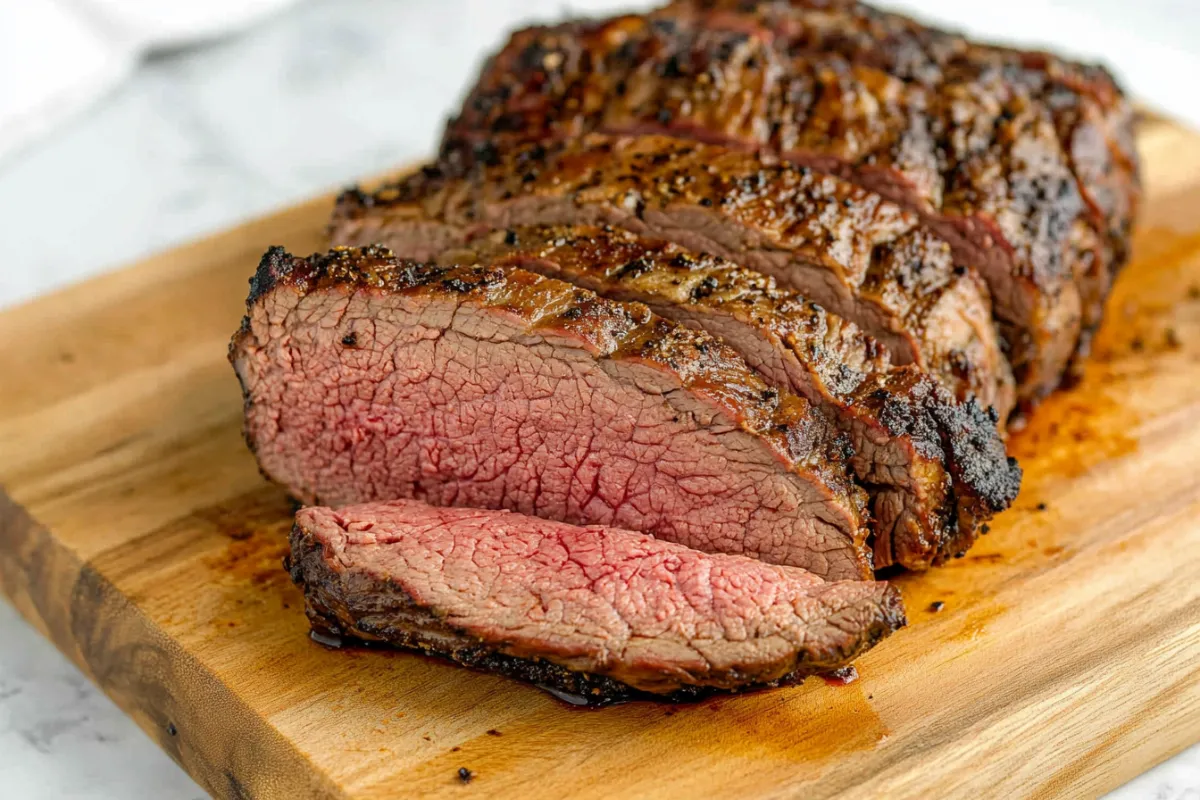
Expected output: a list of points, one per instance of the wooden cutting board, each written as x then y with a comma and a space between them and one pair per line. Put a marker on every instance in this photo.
138, 536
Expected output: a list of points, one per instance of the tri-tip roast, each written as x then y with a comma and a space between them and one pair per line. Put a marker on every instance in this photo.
699, 318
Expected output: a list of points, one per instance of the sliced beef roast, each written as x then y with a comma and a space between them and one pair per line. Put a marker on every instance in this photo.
857, 255
370, 378
937, 469
989, 178
1093, 119
602, 613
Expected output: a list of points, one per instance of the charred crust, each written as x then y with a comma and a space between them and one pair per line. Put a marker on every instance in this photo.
487, 153
705, 287
634, 268
458, 285
275, 266
977, 456
1085, 170
984, 480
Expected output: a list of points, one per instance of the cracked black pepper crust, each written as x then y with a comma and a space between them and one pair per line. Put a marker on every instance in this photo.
991, 161
894, 278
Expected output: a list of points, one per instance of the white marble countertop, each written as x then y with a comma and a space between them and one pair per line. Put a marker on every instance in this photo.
202, 138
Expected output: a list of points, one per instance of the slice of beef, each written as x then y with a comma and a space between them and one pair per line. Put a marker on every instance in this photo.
857, 255
598, 612
936, 469
989, 179
1093, 119
371, 378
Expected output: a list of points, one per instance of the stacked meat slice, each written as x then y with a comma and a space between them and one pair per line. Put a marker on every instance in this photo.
856, 254
372, 378
990, 148
576, 609
700, 318
1093, 121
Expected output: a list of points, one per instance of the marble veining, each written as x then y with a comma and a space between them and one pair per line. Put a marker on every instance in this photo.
200, 139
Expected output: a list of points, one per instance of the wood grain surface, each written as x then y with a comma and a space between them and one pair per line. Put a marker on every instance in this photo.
137, 534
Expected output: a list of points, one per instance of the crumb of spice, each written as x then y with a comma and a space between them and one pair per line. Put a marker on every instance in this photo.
936, 606
493, 732
1041, 506
465, 775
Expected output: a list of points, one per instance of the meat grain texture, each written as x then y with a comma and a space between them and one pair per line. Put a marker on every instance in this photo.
601, 613
936, 469
700, 317
371, 378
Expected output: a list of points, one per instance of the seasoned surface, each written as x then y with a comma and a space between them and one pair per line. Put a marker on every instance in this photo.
371, 378
1092, 118
505, 592
722, 83
845, 248
936, 469
980, 160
